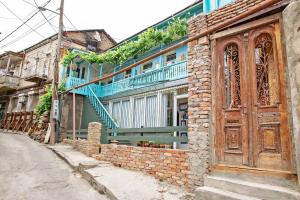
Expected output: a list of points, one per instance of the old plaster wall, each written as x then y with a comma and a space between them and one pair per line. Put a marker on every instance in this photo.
291, 22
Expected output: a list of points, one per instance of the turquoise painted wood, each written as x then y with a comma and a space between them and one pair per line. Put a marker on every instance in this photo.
167, 73
163, 135
100, 109
89, 72
211, 5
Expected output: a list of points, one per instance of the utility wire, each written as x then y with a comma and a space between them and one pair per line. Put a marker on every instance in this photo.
21, 19
36, 26
19, 26
55, 31
70, 22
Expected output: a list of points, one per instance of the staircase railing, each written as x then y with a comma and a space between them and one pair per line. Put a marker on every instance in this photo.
100, 109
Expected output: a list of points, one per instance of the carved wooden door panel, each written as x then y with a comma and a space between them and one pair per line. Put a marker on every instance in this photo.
251, 103
270, 138
232, 123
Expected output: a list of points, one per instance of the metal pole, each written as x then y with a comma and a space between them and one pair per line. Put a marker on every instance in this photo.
74, 117
55, 71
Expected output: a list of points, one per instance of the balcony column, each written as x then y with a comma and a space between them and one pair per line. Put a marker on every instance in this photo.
89, 72
175, 116
8, 64
101, 70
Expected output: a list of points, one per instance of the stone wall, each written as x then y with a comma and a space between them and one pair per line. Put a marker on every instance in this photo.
199, 78
165, 164
291, 23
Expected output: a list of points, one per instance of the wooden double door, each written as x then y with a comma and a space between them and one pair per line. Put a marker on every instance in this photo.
252, 127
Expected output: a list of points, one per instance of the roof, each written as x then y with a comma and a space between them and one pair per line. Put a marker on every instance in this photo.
54, 36
11, 53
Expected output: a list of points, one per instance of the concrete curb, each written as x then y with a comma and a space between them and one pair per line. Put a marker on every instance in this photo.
81, 168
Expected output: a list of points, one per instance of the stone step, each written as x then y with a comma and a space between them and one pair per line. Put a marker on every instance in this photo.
258, 190
211, 193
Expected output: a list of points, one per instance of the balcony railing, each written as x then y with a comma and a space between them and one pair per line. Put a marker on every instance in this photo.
171, 72
167, 73
9, 82
35, 74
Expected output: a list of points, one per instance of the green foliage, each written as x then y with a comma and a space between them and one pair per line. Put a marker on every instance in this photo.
147, 40
45, 100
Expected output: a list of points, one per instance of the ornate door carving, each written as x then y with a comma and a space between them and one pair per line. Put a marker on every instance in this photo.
232, 140
252, 119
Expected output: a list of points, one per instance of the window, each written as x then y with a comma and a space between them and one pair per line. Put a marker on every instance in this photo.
147, 66
232, 76
68, 71
127, 74
266, 71
83, 72
171, 58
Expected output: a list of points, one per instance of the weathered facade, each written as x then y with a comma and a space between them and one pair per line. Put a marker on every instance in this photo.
26, 75
240, 90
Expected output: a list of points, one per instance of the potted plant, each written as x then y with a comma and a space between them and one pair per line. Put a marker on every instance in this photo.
157, 144
151, 144
146, 144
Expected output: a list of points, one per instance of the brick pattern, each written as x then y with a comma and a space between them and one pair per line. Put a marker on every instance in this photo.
92, 144
230, 10
165, 164
79, 145
199, 78
94, 134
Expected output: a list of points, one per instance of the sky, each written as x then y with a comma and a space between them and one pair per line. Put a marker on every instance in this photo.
120, 18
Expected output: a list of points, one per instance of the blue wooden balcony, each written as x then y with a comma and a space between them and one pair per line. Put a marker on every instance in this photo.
175, 71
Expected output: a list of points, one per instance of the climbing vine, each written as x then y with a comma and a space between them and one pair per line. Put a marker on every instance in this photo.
150, 38
45, 100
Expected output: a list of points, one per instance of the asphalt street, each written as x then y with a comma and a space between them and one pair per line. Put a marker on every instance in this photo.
30, 171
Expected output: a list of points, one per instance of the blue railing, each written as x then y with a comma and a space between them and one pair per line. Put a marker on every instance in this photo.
171, 72
100, 109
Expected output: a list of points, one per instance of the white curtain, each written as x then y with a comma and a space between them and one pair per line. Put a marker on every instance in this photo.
126, 111
151, 111
139, 111
116, 112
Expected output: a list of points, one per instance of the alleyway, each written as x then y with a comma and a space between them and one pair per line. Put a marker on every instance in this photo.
30, 171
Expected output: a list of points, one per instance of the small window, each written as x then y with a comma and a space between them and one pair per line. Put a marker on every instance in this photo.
147, 66
83, 73
171, 58
68, 71
127, 74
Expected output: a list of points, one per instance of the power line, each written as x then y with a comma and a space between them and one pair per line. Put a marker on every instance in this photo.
21, 19
70, 22
36, 26
45, 16
18, 26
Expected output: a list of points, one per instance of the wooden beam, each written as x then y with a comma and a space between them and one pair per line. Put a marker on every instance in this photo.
167, 129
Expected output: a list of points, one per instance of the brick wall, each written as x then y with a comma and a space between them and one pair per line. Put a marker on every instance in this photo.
165, 164
199, 80
92, 144
79, 145
230, 10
